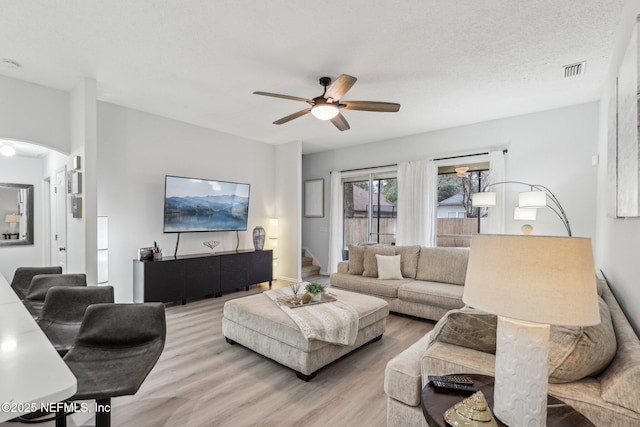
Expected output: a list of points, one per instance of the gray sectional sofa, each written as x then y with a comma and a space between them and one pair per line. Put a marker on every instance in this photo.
596, 369
431, 281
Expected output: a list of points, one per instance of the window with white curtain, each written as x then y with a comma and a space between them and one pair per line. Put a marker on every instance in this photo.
458, 179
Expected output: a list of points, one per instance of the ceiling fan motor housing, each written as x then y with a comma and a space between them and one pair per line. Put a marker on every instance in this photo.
325, 81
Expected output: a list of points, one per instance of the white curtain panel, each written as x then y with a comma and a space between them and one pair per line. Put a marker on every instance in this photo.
496, 220
335, 222
417, 196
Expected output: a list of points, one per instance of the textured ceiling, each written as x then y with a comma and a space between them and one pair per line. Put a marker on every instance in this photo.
448, 63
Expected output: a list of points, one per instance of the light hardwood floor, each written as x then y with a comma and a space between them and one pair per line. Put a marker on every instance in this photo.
201, 380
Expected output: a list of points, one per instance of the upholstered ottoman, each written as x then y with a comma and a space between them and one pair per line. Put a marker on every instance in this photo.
257, 323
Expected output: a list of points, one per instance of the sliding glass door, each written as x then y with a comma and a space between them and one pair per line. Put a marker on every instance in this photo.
370, 208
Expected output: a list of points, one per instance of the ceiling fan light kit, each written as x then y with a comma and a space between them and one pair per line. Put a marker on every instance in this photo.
328, 105
325, 111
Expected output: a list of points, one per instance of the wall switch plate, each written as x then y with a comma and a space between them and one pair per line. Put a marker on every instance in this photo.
595, 160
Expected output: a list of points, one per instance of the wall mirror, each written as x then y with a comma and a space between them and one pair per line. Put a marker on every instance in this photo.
16, 214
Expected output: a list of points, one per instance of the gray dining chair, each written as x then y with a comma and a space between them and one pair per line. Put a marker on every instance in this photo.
63, 312
40, 285
23, 275
116, 348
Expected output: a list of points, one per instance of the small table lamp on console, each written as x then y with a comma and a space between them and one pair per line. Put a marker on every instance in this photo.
12, 220
530, 282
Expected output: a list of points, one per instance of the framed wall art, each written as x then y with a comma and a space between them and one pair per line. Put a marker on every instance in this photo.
314, 198
623, 151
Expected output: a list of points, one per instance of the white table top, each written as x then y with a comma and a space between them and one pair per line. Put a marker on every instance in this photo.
31, 371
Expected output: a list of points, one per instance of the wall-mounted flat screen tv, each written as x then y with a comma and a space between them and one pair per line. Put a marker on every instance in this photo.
192, 205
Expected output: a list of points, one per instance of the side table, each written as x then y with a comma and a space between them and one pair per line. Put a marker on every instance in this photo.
436, 401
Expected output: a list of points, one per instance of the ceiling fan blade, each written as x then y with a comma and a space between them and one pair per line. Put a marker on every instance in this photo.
386, 107
340, 122
340, 86
292, 116
276, 95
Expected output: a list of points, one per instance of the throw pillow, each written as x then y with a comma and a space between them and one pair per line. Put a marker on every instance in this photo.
408, 260
389, 267
619, 383
370, 262
356, 259
468, 327
574, 352
578, 352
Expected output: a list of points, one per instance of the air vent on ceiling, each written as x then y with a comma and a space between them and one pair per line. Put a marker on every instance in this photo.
574, 70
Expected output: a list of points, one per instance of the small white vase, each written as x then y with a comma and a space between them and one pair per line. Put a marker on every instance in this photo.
317, 297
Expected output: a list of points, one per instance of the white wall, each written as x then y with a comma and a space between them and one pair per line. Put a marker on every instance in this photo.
288, 176
135, 152
82, 232
551, 148
37, 114
618, 239
33, 113
23, 170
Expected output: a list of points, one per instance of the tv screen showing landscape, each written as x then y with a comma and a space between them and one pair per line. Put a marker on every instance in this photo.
192, 205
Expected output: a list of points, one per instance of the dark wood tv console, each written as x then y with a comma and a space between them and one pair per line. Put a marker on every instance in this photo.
173, 279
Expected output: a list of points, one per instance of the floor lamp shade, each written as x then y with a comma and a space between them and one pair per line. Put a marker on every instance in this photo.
524, 214
530, 282
532, 199
483, 199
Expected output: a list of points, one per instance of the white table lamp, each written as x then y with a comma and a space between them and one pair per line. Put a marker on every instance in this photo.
530, 282
12, 220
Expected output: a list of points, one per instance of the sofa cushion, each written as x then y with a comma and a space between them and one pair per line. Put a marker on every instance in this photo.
446, 265
389, 267
402, 376
441, 359
432, 293
370, 262
368, 285
356, 259
408, 260
574, 352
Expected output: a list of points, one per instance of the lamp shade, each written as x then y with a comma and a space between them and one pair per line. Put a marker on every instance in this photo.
483, 200
524, 214
532, 199
273, 228
12, 218
541, 279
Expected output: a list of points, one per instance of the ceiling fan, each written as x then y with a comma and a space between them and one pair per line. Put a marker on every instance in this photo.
328, 105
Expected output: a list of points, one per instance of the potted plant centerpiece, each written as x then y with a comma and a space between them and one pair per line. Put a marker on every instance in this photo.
316, 290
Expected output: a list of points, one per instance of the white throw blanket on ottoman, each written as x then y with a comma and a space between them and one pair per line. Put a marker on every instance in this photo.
335, 322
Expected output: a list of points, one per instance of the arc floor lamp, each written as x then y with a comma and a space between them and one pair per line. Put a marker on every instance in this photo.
535, 198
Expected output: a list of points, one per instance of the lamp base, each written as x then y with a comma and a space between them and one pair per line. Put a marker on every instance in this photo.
520, 393
527, 229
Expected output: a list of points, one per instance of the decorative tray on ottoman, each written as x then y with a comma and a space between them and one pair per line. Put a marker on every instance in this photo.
289, 301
